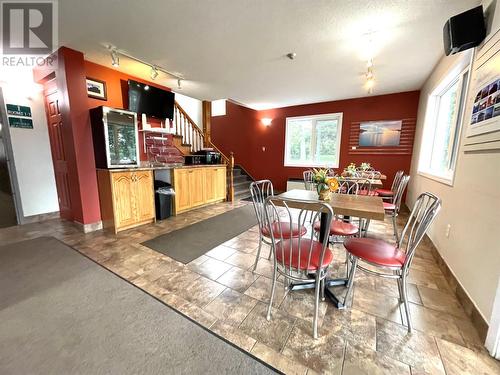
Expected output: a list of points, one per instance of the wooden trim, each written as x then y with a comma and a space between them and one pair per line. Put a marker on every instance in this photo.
207, 118
469, 307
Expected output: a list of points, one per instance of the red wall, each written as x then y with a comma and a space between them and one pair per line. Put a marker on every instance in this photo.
242, 132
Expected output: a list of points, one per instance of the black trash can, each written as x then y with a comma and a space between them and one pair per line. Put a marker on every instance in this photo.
163, 202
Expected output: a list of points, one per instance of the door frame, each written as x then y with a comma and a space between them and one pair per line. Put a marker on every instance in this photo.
11, 166
493, 337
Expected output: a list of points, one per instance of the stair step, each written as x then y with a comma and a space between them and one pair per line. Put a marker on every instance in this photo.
242, 184
241, 178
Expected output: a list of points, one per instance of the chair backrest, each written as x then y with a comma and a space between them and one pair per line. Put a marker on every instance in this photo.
308, 179
423, 214
365, 185
398, 193
286, 211
260, 190
397, 178
347, 187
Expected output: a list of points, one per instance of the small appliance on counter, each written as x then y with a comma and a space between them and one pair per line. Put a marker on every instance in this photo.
194, 159
210, 156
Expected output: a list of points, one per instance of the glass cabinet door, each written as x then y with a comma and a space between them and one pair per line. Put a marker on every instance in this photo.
122, 138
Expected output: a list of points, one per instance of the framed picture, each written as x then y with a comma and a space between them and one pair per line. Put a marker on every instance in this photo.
482, 116
379, 133
96, 89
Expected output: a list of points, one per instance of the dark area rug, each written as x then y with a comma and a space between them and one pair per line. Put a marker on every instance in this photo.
61, 313
187, 244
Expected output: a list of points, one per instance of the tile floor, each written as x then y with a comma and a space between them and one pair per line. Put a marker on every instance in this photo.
219, 291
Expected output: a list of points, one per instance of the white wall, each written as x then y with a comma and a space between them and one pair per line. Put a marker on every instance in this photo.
471, 206
192, 106
31, 149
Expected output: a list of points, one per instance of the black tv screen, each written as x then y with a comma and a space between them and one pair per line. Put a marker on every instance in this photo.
152, 101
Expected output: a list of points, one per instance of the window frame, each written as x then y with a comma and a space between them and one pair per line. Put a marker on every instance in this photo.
462, 77
314, 118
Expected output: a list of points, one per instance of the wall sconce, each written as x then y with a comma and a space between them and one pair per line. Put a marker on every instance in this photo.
266, 121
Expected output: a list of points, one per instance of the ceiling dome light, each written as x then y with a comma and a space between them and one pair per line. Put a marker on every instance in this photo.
291, 55
154, 73
115, 59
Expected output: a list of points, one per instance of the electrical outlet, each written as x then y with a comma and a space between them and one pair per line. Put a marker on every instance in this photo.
448, 228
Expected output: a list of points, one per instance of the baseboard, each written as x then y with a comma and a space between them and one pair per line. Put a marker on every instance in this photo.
470, 308
39, 218
90, 227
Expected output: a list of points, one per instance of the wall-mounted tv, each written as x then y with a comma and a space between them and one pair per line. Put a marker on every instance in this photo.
152, 101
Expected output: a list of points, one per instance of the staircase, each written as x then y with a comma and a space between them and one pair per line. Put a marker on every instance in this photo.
188, 138
242, 183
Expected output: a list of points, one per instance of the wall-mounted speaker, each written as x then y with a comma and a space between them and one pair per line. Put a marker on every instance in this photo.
464, 31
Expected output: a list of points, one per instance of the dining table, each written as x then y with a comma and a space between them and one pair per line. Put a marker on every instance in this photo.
364, 207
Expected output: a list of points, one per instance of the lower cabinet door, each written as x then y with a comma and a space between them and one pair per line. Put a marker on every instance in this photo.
144, 196
220, 183
210, 179
197, 186
182, 190
123, 190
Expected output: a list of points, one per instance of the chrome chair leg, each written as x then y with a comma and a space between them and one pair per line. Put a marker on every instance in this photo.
350, 281
258, 254
268, 317
322, 289
316, 304
395, 228
406, 304
400, 288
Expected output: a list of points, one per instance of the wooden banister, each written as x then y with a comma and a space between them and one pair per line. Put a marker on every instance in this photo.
193, 135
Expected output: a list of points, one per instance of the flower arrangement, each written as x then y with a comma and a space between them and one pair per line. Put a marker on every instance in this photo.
365, 166
324, 183
350, 170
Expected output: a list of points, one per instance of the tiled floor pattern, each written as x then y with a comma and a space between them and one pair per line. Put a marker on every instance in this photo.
219, 291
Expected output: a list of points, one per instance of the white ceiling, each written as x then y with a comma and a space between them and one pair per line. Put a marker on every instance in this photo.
236, 48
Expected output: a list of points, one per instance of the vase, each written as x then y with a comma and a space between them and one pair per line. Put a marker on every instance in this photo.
324, 195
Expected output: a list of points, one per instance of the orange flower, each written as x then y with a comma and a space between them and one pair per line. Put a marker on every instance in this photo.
333, 184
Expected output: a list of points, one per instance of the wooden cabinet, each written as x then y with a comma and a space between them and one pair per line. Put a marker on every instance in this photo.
198, 186
126, 198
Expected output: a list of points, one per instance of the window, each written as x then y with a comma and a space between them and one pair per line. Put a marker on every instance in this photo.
441, 138
313, 141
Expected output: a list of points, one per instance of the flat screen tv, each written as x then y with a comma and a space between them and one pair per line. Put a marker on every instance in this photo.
152, 101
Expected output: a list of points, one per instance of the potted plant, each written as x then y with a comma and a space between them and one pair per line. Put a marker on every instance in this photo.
325, 184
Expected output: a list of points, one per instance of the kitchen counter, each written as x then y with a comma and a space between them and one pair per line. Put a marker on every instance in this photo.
145, 168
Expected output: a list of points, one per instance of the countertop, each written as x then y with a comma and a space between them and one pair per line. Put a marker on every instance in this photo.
162, 167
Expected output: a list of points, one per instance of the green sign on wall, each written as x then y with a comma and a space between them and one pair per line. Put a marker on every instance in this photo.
18, 110
19, 122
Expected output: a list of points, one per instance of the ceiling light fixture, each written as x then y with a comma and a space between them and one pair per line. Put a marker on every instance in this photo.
291, 55
370, 77
154, 73
155, 69
115, 59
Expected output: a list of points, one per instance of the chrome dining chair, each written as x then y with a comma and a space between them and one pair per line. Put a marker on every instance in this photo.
303, 259
395, 260
308, 180
366, 187
392, 208
260, 190
387, 194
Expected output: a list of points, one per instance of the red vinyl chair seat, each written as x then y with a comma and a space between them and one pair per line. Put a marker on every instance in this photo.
375, 251
385, 192
389, 206
339, 228
283, 248
370, 193
287, 230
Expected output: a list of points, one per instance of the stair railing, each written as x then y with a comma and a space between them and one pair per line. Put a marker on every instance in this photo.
192, 135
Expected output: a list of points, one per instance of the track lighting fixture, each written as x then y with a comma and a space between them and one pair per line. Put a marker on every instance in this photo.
154, 73
155, 69
115, 59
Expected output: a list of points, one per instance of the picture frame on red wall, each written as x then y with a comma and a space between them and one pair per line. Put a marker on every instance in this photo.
96, 89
